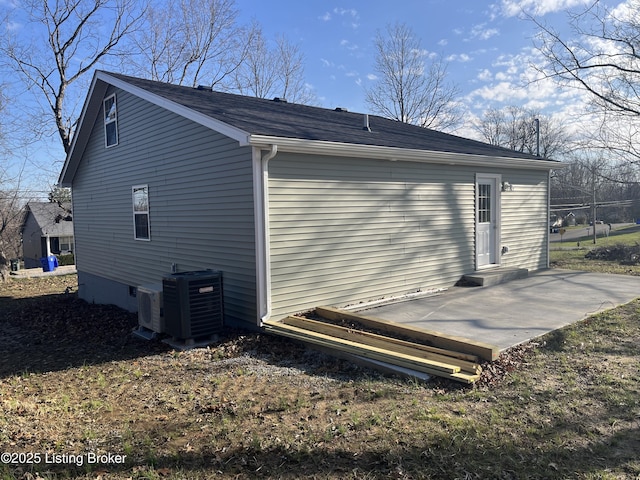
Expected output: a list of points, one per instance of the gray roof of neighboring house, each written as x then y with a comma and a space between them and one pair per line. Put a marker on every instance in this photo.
54, 219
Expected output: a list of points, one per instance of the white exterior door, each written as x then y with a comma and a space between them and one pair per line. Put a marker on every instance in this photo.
487, 220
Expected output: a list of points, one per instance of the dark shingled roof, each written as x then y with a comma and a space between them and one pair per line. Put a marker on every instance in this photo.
258, 116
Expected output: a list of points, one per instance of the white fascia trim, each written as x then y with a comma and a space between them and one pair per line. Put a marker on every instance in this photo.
90, 104
224, 128
296, 145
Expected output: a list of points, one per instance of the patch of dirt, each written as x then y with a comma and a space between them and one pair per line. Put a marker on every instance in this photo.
624, 254
55, 331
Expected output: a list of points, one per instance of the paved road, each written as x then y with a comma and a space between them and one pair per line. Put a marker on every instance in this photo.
574, 234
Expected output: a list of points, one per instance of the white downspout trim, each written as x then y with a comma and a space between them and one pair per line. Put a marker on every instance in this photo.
261, 212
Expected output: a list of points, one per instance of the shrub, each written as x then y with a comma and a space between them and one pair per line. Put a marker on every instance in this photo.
66, 259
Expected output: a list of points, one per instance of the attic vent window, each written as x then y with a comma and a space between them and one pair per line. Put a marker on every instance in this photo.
341, 109
110, 121
280, 100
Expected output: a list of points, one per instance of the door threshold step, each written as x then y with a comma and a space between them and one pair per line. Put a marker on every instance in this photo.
495, 276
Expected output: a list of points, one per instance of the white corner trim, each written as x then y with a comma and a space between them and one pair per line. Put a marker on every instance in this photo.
260, 165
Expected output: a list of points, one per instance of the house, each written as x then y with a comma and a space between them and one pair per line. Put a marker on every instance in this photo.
47, 229
296, 205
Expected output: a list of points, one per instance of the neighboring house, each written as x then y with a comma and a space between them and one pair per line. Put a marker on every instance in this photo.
47, 229
296, 205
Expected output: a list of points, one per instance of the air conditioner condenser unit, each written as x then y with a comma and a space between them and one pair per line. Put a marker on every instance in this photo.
150, 317
193, 304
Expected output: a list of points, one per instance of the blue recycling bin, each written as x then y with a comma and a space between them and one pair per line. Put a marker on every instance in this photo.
49, 264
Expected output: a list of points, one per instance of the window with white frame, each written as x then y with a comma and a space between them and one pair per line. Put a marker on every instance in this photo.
66, 244
141, 212
110, 121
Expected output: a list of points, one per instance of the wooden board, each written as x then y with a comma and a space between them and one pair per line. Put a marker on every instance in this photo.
433, 338
387, 343
407, 361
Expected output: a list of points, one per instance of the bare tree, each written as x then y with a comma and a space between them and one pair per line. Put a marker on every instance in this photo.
59, 195
11, 216
291, 73
412, 86
273, 71
590, 180
257, 76
601, 57
191, 42
515, 127
616, 137
10, 211
77, 35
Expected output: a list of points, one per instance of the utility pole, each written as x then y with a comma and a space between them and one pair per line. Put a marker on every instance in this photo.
537, 123
593, 203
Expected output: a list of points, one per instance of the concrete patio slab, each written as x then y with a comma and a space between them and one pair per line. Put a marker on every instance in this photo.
515, 312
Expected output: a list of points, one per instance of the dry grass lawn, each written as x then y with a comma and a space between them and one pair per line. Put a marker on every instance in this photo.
75, 386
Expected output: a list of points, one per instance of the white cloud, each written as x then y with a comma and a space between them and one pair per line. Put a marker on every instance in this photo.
481, 32
350, 13
13, 26
502, 92
372, 76
536, 104
346, 11
462, 58
625, 11
512, 8
348, 45
444, 42
513, 81
485, 76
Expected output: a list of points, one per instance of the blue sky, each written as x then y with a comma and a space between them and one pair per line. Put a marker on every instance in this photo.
487, 44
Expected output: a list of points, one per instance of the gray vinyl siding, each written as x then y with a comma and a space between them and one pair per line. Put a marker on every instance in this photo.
200, 205
31, 243
525, 225
345, 230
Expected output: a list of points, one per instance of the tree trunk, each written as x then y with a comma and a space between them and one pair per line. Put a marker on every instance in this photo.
4, 268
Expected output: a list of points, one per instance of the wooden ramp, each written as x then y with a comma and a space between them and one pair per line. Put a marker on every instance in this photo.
392, 343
